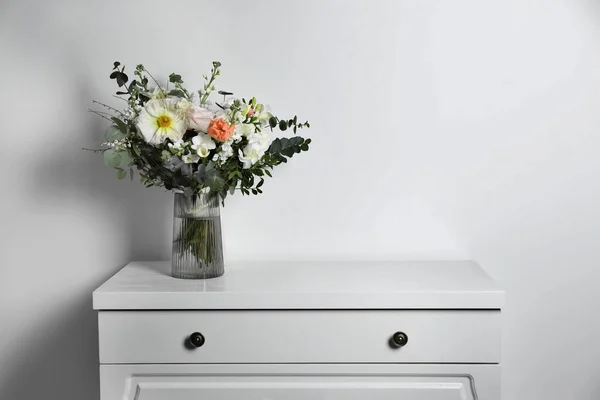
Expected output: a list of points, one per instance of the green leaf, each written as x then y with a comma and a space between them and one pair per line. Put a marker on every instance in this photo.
273, 122
223, 195
126, 159
121, 174
113, 133
175, 78
176, 92
234, 174
186, 170
200, 174
120, 124
288, 151
112, 158
122, 78
268, 173
275, 146
173, 163
296, 141
304, 147
262, 181
282, 126
215, 183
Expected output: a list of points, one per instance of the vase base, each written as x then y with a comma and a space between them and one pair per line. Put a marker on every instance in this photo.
198, 275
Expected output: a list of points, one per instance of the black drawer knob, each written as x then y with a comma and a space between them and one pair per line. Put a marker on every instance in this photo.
399, 339
196, 339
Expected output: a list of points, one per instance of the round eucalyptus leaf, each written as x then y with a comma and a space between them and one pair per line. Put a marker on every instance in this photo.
272, 122
126, 159
121, 174
112, 158
113, 133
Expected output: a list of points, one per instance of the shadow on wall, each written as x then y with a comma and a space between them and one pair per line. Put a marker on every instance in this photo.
111, 223
59, 359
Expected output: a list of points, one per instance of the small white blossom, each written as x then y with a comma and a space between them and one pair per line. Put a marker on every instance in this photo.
117, 144
178, 147
226, 151
190, 158
246, 162
203, 144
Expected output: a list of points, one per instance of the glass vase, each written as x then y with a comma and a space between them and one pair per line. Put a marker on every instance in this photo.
197, 243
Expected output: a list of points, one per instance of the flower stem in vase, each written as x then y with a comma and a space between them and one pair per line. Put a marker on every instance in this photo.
197, 246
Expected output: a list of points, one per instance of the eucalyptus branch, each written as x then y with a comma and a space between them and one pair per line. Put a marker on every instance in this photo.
94, 150
184, 90
100, 114
155, 81
109, 107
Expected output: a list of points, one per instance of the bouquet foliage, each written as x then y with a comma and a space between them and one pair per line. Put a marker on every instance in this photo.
180, 140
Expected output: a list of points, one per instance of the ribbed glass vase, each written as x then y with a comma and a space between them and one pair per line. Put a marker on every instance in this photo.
197, 244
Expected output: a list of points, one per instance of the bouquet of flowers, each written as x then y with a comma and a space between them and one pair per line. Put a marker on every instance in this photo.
203, 150
181, 140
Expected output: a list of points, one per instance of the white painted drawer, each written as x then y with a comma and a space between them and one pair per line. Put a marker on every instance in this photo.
301, 382
300, 336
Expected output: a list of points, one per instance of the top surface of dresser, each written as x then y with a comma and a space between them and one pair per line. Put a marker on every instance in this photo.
304, 285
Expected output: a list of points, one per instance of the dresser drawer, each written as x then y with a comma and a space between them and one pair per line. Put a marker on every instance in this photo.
300, 336
300, 381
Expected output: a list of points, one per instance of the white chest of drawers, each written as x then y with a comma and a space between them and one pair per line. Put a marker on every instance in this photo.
301, 331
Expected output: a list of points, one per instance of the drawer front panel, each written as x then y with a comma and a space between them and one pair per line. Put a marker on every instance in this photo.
300, 382
311, 336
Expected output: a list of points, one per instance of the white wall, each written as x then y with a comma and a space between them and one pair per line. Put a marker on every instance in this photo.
440, 129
